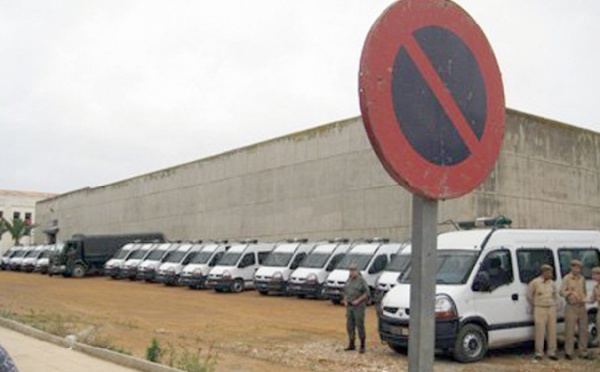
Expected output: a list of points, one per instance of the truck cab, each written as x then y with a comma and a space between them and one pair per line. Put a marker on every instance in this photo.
235, 271
274, 273
113, 266
481, 286
195, 273
370, 256
173, 264
148, 269
309, 278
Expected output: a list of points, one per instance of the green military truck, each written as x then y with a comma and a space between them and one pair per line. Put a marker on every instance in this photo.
86, 254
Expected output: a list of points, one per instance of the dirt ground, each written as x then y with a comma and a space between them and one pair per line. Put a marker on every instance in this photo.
243, 332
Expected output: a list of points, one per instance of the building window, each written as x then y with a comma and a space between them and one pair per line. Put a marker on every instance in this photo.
28, 218
16, 215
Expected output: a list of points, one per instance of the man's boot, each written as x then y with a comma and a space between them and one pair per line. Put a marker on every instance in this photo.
350, 346
362, 346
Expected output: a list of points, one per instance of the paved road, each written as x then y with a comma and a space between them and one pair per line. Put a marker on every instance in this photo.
32, 355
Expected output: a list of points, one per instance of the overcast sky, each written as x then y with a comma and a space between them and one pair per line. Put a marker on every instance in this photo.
92, 92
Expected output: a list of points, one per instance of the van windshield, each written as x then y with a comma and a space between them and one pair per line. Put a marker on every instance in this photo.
20, 254
122, 254
278, 259
361, 261
138, 254
156, 255
315, 260
175, 256
399, 264
45, 254
453, 267
32, 253
229, 259
202, 257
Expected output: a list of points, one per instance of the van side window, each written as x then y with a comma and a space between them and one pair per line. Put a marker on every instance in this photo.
299, 257
530, 262
334, 261
262, 256
378, 264
589, 257
247, 260
497, 267
216, 258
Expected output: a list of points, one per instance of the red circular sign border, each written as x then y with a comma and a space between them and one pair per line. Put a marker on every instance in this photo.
401, 161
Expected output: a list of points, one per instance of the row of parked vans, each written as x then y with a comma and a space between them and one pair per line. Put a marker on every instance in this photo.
29, 258
295, 267
482, 277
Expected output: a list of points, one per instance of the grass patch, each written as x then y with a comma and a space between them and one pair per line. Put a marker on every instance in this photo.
182, 357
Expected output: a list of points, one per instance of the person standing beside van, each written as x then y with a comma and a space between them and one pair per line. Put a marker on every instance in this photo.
356, 294
542, 295
595, 296
573, 289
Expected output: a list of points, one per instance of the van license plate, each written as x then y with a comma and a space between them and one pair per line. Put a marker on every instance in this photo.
404, 331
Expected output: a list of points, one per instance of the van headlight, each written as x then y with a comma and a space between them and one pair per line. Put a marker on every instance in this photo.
312, 278
277, 277
171, 270
198, 272
226, 274
444, 307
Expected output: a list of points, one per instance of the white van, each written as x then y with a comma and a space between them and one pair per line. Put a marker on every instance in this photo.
195, 273
28, 263
370, 256
235, 271
274, 273
43, 261
175, 261
129, 268
113, 266
389, 277
309, 278
7, 256
482, 278
14, 263
147, 270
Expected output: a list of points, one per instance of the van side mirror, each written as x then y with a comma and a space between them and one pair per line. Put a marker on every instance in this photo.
482, 282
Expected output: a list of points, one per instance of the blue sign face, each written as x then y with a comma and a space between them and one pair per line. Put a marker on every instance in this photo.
424, 110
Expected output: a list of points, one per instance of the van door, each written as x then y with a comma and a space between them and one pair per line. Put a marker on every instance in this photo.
247, 267
500, 301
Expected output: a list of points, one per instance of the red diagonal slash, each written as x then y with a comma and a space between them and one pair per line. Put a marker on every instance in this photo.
441, 92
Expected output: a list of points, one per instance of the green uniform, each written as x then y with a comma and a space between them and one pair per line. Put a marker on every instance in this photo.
355, 315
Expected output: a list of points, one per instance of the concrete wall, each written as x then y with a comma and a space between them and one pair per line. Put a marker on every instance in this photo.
327, 182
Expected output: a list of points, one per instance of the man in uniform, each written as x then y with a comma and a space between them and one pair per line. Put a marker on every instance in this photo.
595, 296
573, 289
542, 295
356, 294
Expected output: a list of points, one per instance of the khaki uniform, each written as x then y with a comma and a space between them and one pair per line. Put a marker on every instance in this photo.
575, 313
596, 298
355, 315
543, 296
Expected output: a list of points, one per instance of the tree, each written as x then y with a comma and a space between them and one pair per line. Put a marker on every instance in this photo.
17, 229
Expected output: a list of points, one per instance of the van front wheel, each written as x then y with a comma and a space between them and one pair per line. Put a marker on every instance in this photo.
471, 344
237, 286
593, 336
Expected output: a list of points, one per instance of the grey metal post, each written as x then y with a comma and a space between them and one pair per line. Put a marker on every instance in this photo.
421, 341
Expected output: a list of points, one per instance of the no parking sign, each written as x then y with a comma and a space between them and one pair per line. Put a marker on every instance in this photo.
431, 98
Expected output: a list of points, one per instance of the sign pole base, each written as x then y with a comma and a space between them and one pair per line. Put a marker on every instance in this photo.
421, 343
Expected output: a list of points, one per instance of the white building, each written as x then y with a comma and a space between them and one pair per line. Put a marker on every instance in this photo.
19, 204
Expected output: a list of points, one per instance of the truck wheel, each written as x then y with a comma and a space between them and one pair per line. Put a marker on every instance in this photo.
398, 348
593, 339
237, 286
471, 344
78, 271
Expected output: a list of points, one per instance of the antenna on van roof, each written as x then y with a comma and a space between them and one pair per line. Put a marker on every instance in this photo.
451, 222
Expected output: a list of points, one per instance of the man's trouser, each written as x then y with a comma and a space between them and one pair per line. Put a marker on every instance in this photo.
545, 327
576, 315
355, 318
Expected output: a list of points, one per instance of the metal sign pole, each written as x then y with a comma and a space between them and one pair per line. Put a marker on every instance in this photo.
421, 342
